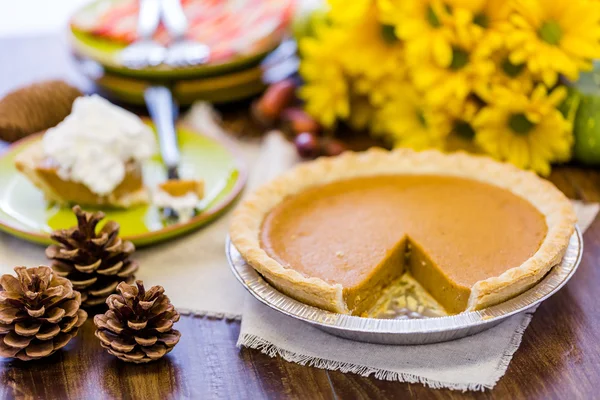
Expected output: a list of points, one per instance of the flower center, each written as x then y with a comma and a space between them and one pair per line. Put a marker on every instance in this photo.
432, 17
421, 118
460, 58
511, 69
520, 124
481, 20
388, 33
464, 130
550, 32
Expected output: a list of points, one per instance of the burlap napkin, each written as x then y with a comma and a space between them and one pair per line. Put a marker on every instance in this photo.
193, 269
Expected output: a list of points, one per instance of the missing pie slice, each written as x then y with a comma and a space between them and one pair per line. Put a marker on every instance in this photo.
335, 233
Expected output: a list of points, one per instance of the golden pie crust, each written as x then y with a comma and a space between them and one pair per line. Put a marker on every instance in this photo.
247, 222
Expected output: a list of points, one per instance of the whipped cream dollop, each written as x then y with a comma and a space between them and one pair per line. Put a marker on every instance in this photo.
95, 142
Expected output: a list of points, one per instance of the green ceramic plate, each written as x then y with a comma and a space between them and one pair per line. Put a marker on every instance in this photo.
106, 52
218, 89
24, 212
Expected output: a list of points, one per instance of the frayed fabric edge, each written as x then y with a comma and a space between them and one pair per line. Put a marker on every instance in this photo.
257, 343
268, 348
209, 314
515, 343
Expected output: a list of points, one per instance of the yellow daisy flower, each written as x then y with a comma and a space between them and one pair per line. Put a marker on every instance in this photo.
381, 75
367, 63
469, 67
367, 56
527, 131
407, 121
348, 12
462, 134
554, 37
325, 91
327, 99
514, 77
423, 25
379, 90
479, 20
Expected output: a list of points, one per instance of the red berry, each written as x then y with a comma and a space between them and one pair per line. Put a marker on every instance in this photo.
333, 147
307, 145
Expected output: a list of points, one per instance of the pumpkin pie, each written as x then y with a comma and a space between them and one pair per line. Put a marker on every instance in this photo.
181, 187
92, 158
180, 195
336, 232
43, 172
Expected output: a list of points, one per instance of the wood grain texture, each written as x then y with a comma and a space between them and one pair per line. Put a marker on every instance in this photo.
558, 358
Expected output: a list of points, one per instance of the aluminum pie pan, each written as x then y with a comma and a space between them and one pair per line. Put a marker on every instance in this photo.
411, 331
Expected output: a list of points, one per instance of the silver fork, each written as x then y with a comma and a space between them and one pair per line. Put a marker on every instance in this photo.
182, 51
163, 111
145, 51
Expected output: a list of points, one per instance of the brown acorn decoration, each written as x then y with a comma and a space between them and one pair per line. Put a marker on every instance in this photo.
95, 262
138, 326
39, 313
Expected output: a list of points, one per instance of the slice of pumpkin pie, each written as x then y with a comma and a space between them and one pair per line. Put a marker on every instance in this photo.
93, 158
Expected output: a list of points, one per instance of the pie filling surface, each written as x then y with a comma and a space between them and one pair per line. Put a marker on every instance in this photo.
363, 233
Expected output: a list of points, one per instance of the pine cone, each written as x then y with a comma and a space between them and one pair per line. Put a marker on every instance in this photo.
94, 262
138, 326
39, 313
35, 108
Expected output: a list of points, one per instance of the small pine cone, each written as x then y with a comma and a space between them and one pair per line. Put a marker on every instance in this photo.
95, 262
138, 326
35, 108
39, 313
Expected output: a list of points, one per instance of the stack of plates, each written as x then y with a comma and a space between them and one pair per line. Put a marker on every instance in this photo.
226, 79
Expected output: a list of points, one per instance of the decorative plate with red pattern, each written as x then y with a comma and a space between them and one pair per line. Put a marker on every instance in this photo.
239, 33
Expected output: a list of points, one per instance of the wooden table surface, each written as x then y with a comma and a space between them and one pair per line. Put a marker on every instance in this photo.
558, 358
